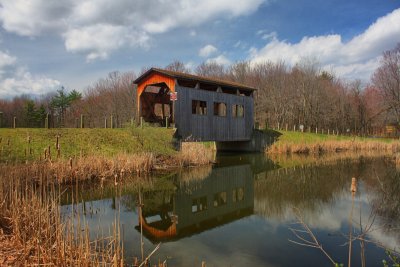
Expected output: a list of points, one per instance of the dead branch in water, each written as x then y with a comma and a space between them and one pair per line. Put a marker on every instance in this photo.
312, 241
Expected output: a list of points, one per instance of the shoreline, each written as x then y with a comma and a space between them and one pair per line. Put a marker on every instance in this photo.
286, 142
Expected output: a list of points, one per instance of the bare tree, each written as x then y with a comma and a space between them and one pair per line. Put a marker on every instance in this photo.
387, 79
178, 66
211, 69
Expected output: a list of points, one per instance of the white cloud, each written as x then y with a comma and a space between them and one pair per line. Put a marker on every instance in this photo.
354, 59
112, 24
6, 60
269, 36
32, 17
97, 41
192, 13
221, 59
16, 80
26, 83
207, 50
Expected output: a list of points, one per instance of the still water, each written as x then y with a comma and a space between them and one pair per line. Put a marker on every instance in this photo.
240, 212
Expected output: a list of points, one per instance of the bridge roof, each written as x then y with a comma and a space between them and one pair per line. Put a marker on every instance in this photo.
194, 78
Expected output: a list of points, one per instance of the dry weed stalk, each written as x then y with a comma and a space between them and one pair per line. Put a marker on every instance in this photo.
311, 241
34, 232
195, 153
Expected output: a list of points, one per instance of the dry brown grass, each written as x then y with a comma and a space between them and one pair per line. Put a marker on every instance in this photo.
333, 146
195, 153
82, 168
100, 168
34, 232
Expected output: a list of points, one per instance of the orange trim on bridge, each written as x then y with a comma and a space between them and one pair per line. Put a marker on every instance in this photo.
152, 79
157, 233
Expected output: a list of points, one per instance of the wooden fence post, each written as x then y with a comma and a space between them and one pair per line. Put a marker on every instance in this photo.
82, 121
46, 121
15, 122
105, 121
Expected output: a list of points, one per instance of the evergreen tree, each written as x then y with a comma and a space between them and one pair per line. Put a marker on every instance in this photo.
62, 101
29, 113
40, 116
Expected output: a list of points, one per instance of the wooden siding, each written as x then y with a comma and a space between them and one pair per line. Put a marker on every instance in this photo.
211, 127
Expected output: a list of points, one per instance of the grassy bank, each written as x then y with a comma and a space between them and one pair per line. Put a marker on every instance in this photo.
287, 142
29, 143
65, 155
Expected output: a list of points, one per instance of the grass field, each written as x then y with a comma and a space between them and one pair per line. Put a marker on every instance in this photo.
305, 143
29, 143
309, 138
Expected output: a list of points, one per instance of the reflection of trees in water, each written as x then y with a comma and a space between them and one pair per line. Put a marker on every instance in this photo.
310, 187
386, 200
389, 196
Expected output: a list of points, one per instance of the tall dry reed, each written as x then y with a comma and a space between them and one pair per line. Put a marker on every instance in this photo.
34, 232
196, 153
332, 146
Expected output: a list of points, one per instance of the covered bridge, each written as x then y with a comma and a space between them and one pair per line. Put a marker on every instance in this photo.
202, 109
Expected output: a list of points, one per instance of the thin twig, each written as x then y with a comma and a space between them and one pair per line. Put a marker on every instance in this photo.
151, 254
307, 243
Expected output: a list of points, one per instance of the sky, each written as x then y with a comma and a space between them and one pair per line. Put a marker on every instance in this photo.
46, 44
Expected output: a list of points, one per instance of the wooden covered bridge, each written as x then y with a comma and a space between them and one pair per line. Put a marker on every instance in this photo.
202, 109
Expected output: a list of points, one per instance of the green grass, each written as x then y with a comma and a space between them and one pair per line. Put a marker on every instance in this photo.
76, 142
290, 137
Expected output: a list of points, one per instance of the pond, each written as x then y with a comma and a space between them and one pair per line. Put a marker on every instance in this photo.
242, 212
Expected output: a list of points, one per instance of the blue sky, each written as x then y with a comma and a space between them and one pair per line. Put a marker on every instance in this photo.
48, 43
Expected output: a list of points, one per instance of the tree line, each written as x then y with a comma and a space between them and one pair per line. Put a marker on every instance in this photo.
302, 94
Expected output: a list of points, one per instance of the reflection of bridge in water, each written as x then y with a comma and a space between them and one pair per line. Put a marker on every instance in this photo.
225, 195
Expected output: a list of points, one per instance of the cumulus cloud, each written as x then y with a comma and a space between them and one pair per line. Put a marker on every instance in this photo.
207, 50
97, 41
6, 60
32, 17
221, 60
112, 23
15, 80
356, 58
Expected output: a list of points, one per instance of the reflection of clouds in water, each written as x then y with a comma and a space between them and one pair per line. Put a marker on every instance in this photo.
202, 251
334, 217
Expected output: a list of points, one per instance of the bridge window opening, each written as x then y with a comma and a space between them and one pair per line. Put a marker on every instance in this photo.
199, 204
219, 109
199, 107
237, 194
219, 199
238, 111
